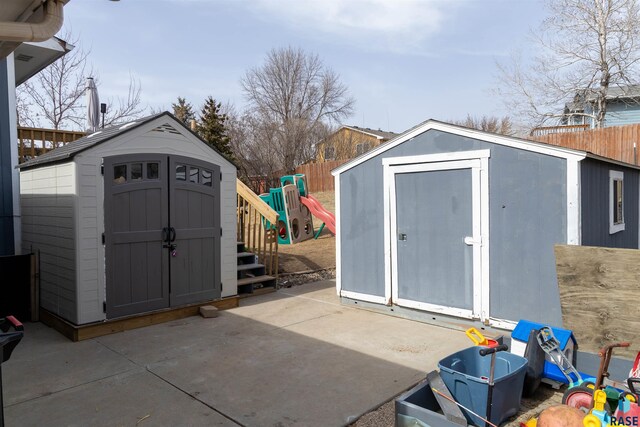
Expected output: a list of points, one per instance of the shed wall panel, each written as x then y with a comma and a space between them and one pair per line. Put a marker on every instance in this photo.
48, 201
595, 205
91, 207
527, 193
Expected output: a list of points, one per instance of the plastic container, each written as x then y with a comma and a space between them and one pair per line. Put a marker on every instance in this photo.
419, 407
466, 375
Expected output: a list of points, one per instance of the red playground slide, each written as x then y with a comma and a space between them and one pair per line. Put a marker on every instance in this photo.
319, 211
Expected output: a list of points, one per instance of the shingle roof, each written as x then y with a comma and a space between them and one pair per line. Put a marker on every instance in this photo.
71, 149
619, 92
379, 133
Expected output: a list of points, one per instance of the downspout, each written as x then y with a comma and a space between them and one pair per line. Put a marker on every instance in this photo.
35, 31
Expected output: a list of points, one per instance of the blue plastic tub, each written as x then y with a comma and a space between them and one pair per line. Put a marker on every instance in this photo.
466, 375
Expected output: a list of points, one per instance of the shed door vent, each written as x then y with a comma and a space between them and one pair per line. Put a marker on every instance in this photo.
166, 128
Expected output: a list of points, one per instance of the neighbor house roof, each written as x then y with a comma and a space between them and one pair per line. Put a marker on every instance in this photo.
380, 134
510, 141
69, 150
586, 96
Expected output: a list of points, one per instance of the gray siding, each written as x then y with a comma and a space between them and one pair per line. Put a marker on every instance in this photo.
47, 198
527, 217
595, 205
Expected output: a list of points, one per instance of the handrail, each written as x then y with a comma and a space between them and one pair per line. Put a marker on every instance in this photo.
257, 228
259, 204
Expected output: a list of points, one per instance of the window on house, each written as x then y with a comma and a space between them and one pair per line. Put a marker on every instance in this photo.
362, 148
329, 153
616, 201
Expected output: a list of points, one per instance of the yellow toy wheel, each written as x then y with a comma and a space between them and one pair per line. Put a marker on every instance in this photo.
591, 420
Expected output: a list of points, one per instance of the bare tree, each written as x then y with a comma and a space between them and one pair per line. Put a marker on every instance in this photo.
499, 125
292, 98
124, 109
584, 49
55, 96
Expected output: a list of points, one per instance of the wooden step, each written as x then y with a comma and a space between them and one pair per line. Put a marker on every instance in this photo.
245, 267
246, 258
253, 280
256, 285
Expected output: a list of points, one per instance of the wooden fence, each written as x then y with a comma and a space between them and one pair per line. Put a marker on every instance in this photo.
319, 176
617, 142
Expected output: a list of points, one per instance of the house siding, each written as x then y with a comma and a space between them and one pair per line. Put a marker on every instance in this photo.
344, 142
48, 203
595, 205
527, 218
620, 114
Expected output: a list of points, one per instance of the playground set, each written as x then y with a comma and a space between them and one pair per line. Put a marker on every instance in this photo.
296, 206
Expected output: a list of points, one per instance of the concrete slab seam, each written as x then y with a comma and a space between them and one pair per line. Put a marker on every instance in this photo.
195, 398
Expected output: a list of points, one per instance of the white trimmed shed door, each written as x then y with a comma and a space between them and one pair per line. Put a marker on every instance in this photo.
437, 237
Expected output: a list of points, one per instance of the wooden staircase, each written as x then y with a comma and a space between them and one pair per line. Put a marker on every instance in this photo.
257, 243
252, 276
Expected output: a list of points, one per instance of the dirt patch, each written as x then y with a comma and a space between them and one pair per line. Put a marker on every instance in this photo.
312, 254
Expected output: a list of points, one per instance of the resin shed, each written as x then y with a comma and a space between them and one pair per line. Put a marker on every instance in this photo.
130, 219
445, 223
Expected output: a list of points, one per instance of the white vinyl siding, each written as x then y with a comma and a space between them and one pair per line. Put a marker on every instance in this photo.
47, 198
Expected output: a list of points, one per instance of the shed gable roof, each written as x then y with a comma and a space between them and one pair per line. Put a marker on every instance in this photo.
68, 151
431, 124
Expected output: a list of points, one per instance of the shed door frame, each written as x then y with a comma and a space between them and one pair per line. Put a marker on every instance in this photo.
478, 162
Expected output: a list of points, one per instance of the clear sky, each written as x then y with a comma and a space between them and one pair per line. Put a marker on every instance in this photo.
404, 61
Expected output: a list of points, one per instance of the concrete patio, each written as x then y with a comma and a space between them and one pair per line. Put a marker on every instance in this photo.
295, 357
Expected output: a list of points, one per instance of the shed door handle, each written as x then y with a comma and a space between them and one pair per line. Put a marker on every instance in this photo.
173, 234
469, 240
402, 237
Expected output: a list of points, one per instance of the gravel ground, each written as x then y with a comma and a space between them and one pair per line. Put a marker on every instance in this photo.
297, 279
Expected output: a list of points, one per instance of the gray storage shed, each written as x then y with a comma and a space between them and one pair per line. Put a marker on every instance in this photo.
445, 222
130, 219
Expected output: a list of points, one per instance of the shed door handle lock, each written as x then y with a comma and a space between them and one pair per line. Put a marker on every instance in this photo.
402, 237
471, 241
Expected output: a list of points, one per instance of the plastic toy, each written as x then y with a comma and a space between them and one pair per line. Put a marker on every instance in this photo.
295, 206
478, 339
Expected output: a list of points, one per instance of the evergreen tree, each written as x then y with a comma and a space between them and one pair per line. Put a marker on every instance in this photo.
211, 127
184, 111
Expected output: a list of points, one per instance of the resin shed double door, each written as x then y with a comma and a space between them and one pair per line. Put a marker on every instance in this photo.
162, 232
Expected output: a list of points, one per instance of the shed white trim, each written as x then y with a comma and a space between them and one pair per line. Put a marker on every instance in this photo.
613, 177
478, 162
469, 133
574, 219
362, 297
336, 197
